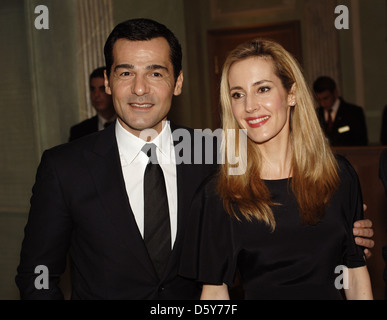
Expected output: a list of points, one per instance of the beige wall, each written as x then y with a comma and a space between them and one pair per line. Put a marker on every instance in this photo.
40, 87
363, 53
38, 103
18, 158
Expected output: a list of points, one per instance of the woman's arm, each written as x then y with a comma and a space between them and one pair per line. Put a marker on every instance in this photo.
213, 292
359, 284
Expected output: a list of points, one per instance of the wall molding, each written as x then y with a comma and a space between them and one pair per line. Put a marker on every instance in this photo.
255, 8
323, 55
95, 24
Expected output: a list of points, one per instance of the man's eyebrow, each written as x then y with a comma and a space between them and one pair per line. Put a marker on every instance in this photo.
130, 66
156, 66
123, 66
95, 87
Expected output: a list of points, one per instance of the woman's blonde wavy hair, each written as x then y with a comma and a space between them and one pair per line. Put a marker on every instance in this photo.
314, 167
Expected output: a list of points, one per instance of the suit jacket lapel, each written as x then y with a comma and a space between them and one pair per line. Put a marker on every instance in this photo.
106, 170
180, 172
95, 123
339, 115
321, 117
184, 195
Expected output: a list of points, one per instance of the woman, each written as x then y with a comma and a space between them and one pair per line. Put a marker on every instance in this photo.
286, 224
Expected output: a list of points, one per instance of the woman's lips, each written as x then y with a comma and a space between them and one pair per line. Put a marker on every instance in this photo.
257, 122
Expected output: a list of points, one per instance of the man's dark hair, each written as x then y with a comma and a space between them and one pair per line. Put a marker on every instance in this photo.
323, 84
143, 30
97, 73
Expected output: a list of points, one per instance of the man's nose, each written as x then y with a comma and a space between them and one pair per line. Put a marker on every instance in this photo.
140, 86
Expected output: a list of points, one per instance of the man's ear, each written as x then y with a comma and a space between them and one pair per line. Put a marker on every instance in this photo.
179, 84
107, 84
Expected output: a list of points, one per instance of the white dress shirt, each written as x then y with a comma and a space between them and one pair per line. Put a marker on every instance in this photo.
134, 162
102, 121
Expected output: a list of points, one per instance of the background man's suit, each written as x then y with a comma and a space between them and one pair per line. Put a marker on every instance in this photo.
84, 128
350, 120
80, 192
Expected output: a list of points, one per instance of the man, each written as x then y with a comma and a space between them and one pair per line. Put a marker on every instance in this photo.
88, 198
343, 123
103, 105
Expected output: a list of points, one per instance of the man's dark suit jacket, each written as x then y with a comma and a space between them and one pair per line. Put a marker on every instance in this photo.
80, 205
349, 127
84, 128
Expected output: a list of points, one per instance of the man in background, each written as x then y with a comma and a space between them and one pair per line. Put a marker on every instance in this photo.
343, 123
103, 105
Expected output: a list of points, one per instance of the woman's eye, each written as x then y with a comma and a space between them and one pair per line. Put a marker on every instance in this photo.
264, 89
236, 95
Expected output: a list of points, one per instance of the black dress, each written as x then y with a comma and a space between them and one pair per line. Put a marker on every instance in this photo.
295, 261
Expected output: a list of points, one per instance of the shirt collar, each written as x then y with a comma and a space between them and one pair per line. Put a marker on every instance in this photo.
130, 145
102, 120
335, 106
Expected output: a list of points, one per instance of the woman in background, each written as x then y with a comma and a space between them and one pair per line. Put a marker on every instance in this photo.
286, 223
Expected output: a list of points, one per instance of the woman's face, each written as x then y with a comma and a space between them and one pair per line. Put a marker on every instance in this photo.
260, 103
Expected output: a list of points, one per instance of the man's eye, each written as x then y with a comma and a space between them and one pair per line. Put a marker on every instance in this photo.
157, 74
125, 74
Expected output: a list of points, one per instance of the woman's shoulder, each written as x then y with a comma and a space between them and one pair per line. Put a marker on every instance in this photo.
209, 187
346, 171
